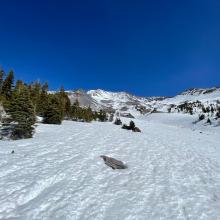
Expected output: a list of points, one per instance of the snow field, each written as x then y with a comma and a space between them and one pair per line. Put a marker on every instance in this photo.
173, 172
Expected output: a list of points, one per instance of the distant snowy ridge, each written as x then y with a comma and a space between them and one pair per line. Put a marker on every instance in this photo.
127, 103
209, 94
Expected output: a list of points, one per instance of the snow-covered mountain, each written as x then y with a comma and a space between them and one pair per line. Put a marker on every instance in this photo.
128, 103
122, 101
203, 95
113, 101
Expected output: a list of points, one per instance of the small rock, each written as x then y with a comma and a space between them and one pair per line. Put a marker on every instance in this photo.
136, 129
113, 163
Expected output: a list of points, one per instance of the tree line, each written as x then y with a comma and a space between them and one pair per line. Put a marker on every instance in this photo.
23, 102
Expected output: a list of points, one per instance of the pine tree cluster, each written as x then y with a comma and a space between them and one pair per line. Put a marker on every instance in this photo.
23, 102
78, 113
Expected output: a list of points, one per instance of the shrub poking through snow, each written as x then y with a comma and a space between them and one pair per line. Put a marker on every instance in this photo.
131, 126
118, 121
218, 113
209, 121
201, 117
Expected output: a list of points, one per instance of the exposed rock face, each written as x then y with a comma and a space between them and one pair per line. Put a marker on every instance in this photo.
113, 163
84, 99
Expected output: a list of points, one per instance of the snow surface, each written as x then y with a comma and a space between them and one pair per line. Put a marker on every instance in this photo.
173, 171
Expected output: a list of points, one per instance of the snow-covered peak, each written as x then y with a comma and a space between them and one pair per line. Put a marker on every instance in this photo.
99, 93
122, 101
127, 103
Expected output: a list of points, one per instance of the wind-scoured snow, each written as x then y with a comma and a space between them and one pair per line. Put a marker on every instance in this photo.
173, 172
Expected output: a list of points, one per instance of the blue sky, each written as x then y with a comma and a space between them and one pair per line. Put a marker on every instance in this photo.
144, 47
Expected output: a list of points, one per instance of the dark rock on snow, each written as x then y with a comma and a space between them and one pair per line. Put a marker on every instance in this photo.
136, 129
113, 163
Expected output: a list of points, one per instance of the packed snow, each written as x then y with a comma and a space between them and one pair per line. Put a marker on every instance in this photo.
173, 171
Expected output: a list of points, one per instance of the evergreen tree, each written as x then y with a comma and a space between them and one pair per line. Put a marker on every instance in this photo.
19, 85
2, 73
7, 86
88, 115
65, 105
45, 87
52, 113
75, 110
43, 101
35, 92
102, 115
21, 114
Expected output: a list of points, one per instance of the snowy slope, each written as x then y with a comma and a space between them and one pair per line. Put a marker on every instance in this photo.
119, 100
173, 172
126, 102
203, 95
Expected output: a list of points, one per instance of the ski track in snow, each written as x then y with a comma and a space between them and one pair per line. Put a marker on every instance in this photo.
173, 173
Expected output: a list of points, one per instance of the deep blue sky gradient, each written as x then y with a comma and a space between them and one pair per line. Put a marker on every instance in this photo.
144, 47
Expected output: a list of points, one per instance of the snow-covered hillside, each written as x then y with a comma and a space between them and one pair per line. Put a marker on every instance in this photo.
173, 172
127, 103
203, 95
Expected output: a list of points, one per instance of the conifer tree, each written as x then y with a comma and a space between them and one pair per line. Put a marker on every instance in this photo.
45, 87
2, 73
43, 101
65, 105
88, 115
35, 92
102, 115
7, 86
52, 113
21, 114
75, 110
19, 85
